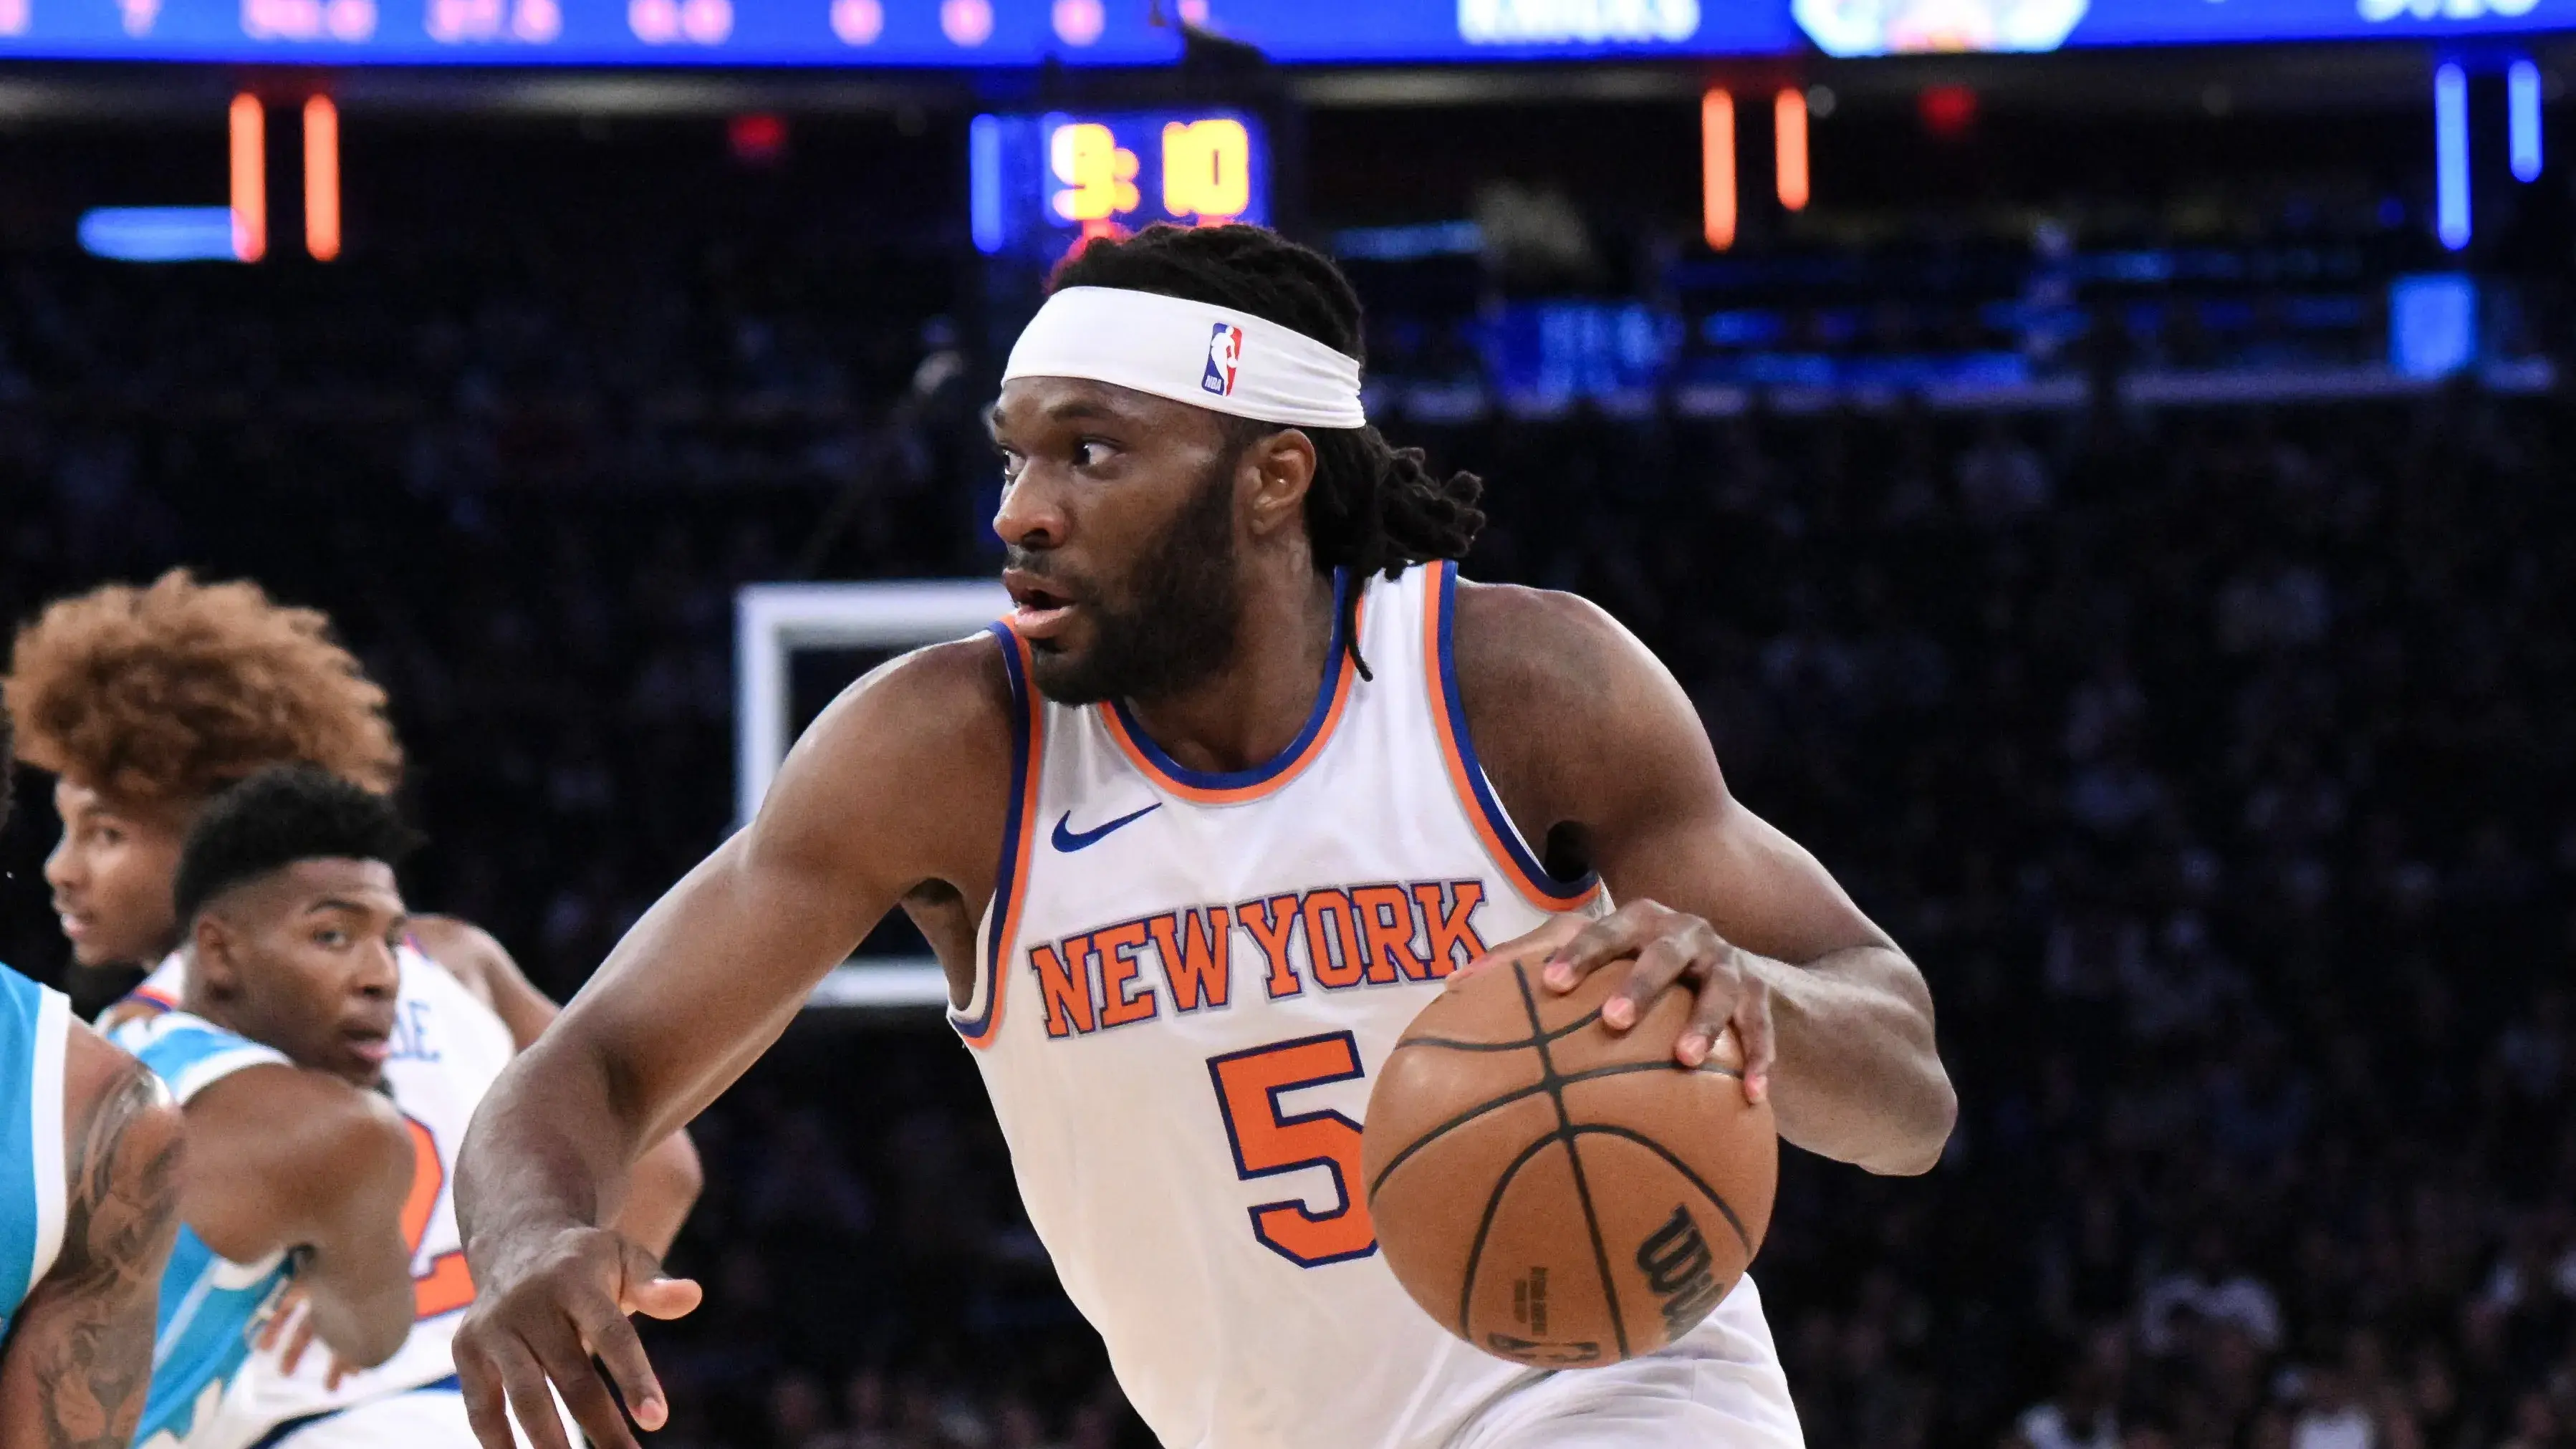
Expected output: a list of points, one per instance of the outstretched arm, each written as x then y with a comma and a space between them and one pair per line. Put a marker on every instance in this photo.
287, 1159
79, 1354
900, 784
665, 1182
1587, 733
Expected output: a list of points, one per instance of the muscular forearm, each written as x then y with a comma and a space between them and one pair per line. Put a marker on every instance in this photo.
548, 1149
1857, 1078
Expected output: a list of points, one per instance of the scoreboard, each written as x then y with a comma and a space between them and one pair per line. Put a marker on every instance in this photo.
1038, 184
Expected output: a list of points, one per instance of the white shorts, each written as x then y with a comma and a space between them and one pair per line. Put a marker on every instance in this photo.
1719, 1388
428, 1418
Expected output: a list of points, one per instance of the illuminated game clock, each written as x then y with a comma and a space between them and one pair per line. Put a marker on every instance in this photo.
1041, 183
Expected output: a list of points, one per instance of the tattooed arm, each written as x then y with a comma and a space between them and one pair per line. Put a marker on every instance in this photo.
79, 1355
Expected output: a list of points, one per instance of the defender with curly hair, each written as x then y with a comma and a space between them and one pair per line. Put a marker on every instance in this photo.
145, 702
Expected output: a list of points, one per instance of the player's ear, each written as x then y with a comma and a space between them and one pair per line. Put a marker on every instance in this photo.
1283, 465
212, 961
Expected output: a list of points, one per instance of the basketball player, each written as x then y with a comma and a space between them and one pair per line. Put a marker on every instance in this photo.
90, 1149
299, 1165
1248, 769
147, 701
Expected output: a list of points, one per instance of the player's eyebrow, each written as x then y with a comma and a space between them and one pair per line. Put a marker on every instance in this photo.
1072, 408
1076, 409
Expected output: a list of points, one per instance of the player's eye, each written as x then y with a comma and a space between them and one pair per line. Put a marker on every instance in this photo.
1090, 454
330, 939
110, 835
1012, 463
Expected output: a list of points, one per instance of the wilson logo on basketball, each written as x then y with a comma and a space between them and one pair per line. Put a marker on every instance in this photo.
1529, 1301
1331, 938
1678, 1268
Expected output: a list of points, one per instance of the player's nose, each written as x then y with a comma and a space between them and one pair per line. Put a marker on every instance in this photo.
379, 971
62, 866
1031, 515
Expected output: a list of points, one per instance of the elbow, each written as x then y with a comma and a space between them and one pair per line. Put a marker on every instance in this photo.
677, 1174
1928, 1125
381, 1336
367, 1331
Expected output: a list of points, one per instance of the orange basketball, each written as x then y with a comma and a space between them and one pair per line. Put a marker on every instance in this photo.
1556, 1193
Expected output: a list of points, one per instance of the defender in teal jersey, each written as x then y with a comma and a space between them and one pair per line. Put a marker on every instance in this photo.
302, 1166
89, 1200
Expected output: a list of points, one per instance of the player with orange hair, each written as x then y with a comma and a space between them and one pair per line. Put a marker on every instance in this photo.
146, 702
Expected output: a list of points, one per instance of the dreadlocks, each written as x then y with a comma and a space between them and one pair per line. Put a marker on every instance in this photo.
1373, 508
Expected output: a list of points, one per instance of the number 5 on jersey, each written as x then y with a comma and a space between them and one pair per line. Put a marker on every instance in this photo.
1268, 1142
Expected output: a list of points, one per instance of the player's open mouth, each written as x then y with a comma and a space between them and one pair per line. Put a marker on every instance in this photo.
1037, 612
368, 1045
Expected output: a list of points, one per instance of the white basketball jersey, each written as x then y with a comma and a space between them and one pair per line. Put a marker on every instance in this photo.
447, 1049
1188, 982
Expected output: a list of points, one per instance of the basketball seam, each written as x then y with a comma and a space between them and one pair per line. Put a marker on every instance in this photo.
1453, 1044
1673, 1161
1521, 1093
1476, 1250
1573, 1158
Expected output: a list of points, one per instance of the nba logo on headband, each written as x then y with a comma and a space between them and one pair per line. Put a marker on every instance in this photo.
1225, 349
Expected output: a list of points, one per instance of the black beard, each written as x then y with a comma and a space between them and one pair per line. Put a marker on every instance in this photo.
1178, 626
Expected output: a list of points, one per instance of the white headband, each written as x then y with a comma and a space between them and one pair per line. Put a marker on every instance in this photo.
1192, 352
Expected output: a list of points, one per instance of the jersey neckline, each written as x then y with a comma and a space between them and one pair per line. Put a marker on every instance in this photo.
1237, 787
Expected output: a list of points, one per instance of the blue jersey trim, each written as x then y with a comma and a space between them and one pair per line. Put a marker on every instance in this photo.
1007, 877
1261, 774
1556, 889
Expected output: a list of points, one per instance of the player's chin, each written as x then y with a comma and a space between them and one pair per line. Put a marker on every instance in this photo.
96, 952
1061, 668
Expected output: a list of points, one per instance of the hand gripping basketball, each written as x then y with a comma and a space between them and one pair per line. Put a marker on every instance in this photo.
1662, 949
1559, 1191
544, 1313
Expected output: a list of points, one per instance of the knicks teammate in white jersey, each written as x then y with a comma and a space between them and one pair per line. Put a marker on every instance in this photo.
1245, 777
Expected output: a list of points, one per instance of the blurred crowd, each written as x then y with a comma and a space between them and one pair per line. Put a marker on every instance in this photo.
2213, 763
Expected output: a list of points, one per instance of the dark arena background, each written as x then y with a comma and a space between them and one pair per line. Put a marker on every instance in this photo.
2106, 475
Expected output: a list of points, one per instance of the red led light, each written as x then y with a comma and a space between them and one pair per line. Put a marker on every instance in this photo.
1948, 111
758, 139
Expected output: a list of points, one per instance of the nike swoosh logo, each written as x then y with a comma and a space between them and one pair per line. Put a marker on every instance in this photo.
1069, 840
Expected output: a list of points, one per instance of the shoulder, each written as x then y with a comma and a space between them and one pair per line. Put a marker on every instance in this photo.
913, 758
1541, 644
936, 689
1571, 712
303, 1117
1554, 669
